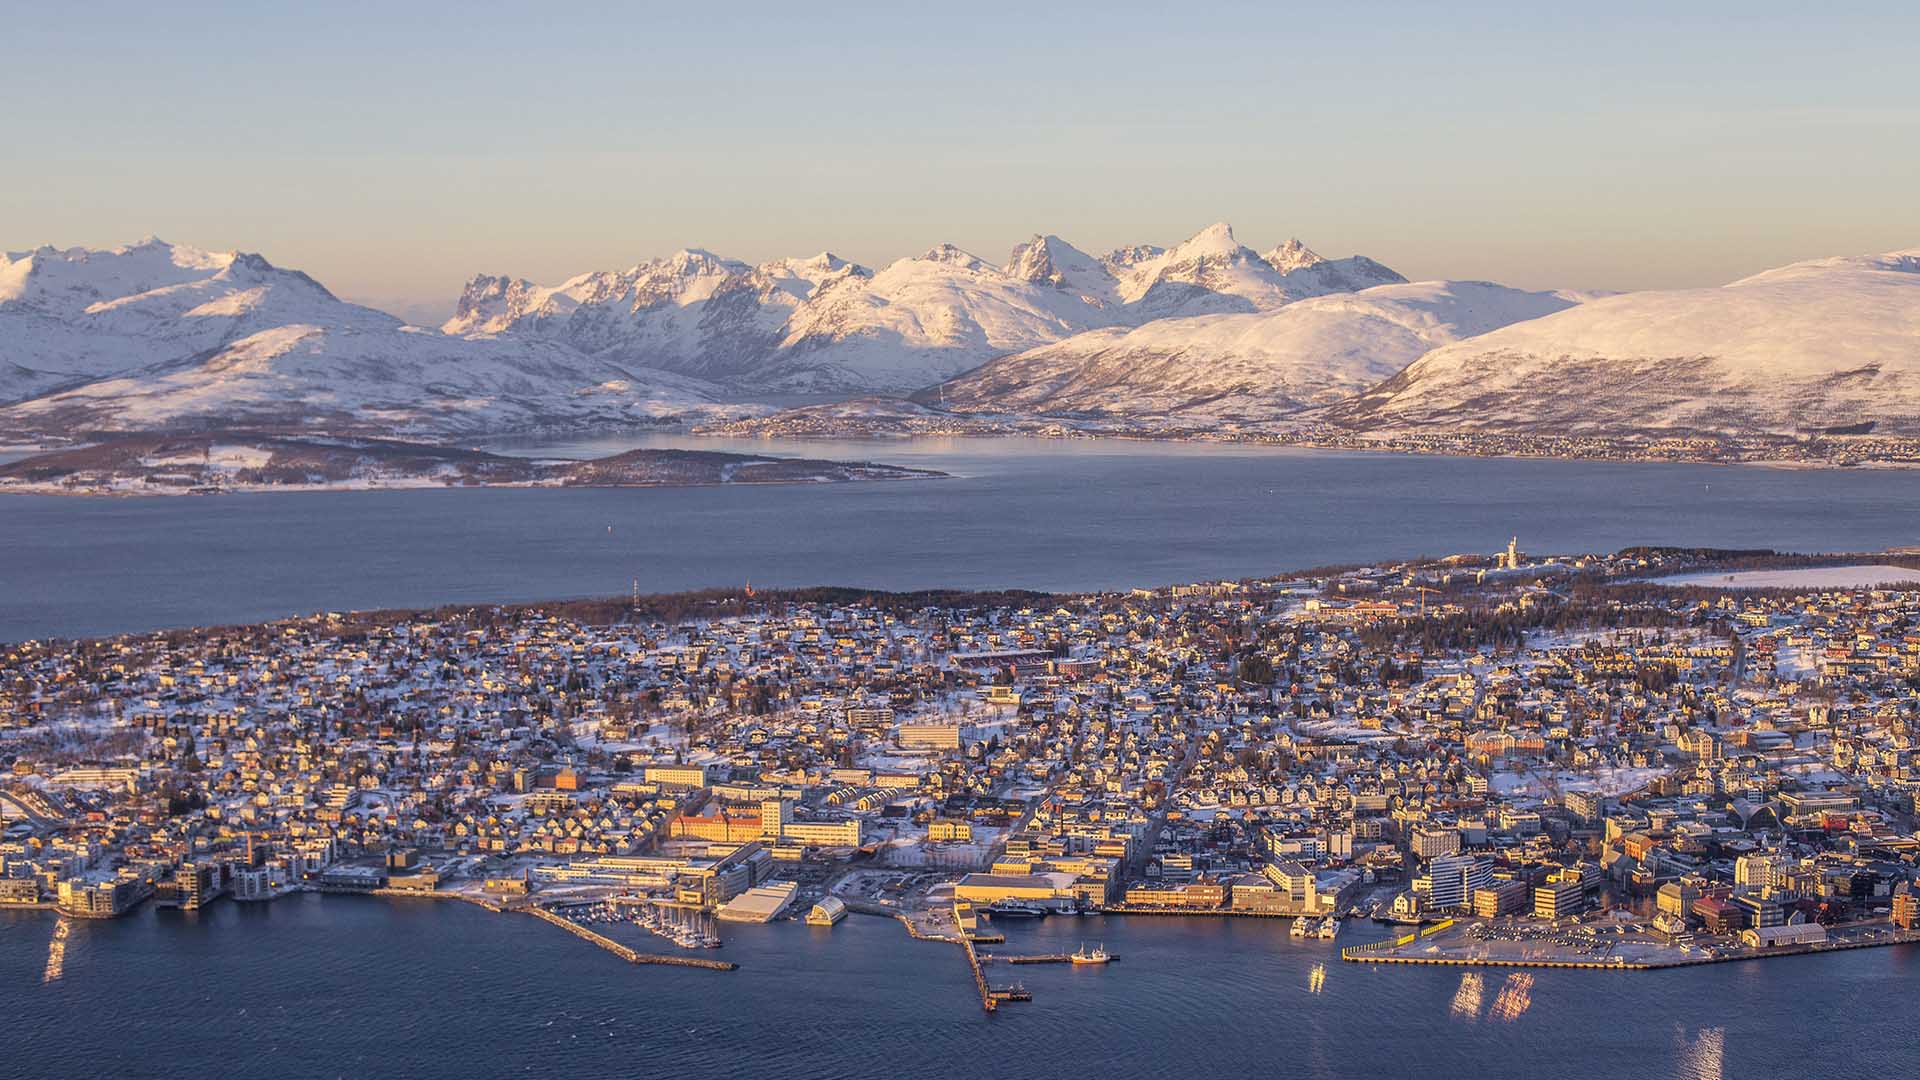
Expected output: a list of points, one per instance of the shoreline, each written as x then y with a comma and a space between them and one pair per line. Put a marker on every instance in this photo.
162, 492
1360, 444
1373, 953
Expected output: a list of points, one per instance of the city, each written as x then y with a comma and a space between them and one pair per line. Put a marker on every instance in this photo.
1519, 759
960, 541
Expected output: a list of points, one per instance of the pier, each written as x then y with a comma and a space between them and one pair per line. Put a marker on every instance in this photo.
988, 1000
1043, 958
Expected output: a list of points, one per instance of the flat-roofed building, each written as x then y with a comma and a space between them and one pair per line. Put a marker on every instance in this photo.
930, 736
1046, 888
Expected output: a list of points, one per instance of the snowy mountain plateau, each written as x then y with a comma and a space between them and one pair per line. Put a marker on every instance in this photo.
1828, 346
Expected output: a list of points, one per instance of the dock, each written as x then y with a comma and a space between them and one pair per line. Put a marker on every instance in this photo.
988, 1000
1043, 958
625, 952
436, 894
1380, 952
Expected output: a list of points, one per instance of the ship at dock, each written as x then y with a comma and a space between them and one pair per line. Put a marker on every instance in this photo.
1097, 955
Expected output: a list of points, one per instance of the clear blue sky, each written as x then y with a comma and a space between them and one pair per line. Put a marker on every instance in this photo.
395, 149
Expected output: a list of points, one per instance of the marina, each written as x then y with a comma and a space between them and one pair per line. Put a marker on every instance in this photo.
624, 952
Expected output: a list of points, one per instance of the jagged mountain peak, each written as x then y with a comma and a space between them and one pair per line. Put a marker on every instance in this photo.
824, 323
1047, 259
1292, 255
690, 262
953, 255
1214, 240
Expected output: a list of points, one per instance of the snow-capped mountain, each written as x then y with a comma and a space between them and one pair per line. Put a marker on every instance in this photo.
692, 312
1213, 273
67, 316
1830, 343
924, 319
823, 324
159, 335
1243, 368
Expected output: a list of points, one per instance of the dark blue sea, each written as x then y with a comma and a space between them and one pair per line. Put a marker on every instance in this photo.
1033, 513
361, 987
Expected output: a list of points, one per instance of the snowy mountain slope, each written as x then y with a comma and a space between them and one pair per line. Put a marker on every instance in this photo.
1243, 367
692, 312
67, 316
344, 378
923, 319
1819, 344
159, 334
825, 325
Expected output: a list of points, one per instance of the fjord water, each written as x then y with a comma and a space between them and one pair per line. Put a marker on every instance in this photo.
1031, 513
349, 986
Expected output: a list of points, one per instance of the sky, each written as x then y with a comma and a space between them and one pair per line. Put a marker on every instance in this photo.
394, 150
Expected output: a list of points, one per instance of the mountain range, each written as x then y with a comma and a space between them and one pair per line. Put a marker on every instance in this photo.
824, 324
1206, 336
154, 336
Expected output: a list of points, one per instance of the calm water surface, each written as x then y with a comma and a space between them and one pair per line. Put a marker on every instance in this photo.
339, 986
1035, 513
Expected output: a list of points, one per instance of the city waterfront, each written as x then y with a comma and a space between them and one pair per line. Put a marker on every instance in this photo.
329, 986
1027, 513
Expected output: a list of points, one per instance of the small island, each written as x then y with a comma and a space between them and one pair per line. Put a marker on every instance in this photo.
215, 462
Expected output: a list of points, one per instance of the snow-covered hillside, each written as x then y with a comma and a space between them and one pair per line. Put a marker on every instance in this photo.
1243, 367
825, 325
394, 379
1830, 343
67, 316
155, 334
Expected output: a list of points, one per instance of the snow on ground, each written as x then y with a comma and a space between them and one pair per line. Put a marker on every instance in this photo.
1819, 577
1606, 780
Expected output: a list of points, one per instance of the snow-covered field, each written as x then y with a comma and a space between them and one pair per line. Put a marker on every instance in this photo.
1818, 577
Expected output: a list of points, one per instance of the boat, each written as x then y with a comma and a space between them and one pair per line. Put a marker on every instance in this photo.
1330, 929
1098, 956
1015, 992
1299, 927
1014, 909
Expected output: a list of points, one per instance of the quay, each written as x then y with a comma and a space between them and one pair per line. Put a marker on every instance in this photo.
1043, 958
989, 998
435, 894
1379, 952
1204, 912
624, 952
